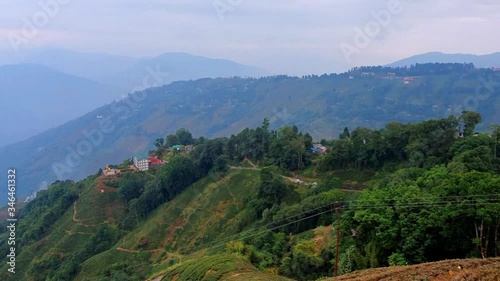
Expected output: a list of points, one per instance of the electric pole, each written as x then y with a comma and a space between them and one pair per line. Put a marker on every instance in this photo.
335, 271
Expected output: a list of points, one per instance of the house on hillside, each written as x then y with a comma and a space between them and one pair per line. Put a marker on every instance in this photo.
407, 80
367, 74
110, 172
141, 162
180, 147
318, 148
155, 162
177, 147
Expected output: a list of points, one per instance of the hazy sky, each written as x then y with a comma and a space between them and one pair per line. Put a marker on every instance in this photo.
285, 36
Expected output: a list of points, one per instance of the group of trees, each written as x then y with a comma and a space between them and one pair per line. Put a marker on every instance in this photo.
181, 136
417, 69
424, 144
37, 218
285, 147
416, 215
59, 267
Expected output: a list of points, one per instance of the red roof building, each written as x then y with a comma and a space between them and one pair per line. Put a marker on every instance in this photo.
153, 161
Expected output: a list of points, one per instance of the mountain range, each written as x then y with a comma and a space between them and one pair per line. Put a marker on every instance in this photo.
481, 61
57, 85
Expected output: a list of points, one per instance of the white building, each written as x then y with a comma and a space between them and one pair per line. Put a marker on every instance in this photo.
141, 162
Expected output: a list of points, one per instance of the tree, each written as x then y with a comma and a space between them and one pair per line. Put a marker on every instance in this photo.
470, 119
495, 135
159, 142
272, 189
184, 136
345, 134
131, 186
172, 140
290, 149
265, 124
306, 260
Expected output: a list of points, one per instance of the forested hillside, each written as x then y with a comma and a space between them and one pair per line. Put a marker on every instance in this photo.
323, 105
265, 205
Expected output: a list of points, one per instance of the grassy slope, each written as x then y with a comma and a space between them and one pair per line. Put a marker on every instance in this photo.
67, 236
470, 269
196, 224
218, 267
207, 211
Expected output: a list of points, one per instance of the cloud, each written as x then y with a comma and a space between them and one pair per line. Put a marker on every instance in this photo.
294, 36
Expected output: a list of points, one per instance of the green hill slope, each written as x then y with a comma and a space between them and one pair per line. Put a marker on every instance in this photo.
322, 105
70, 232
263, 203
207, 211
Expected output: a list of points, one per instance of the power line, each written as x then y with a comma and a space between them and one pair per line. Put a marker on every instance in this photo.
223, 241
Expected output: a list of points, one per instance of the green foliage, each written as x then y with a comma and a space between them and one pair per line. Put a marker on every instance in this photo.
236, 247
306, 261
272, 189
397, 259
423, 144
181, 136
213, 268
470, 119
37, 218
345, 134
131, 185
136, 269
427, 218
290, 149
351, 259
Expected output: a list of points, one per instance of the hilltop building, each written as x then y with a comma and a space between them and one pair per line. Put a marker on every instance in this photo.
141, 162
110, 172
144, 163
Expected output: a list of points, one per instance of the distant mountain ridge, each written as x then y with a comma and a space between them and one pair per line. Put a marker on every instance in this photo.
34, 98
91, 80
480, 61
113, 70
177, 66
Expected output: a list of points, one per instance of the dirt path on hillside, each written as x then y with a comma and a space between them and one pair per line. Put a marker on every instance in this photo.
244, 168
126, 250
158, 278
249, 162
137, 251
101, 184
79, 221
70, 232
293, 180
